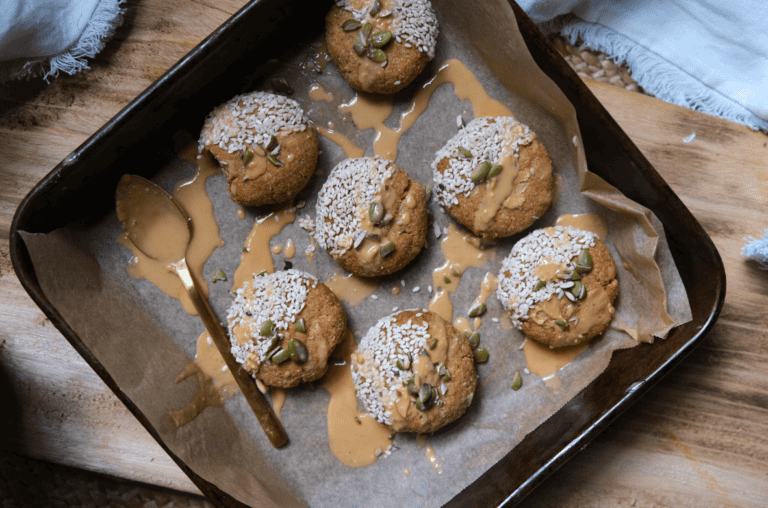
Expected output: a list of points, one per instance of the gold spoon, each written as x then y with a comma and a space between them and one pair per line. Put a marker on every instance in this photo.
159, 228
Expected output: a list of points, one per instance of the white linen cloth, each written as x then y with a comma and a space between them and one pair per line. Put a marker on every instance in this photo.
707, 55
43, 37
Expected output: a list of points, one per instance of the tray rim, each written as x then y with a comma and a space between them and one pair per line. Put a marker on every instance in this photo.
537, 44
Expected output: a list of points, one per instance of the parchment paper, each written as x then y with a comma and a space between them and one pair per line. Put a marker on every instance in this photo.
145, 338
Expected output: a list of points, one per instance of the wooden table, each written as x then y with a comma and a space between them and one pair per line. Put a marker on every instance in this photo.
699, 438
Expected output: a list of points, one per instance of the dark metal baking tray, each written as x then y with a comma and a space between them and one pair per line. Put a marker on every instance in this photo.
220, 67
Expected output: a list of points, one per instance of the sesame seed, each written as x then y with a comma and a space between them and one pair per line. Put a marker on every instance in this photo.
374, 297
526, 371
416, 289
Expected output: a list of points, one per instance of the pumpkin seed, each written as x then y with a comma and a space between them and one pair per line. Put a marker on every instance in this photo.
584, 263
300, 353
517, 382
266, 328
477, 310
474, 340
376, 212
562, 324
247, 157
271, 144
272, 348
481, 355
577, 289
381, 39
466, 153
300, 325
376, 7
219, 275
387, 249
359, 46
480, 172
425, 396
281, 356
495, 170
377, 55
539, 285
350, 24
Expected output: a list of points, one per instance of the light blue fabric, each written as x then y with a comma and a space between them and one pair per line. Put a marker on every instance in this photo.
706, 55
757, 250
43, 37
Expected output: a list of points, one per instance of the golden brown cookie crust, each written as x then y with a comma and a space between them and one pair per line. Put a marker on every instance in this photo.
344, 224
403, 63
273, 184
459, 362
269, 311
514, 207
536, 197
325, 324
408, 238
593, 313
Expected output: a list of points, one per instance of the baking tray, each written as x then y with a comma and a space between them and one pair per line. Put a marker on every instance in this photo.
81, 188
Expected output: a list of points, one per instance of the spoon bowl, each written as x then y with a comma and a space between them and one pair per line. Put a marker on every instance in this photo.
153, 220
159, 228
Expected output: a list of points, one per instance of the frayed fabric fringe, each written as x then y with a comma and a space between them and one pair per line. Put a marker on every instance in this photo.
655, 74
106, 18
757, 250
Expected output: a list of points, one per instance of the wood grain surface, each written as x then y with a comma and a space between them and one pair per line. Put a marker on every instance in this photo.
699, 438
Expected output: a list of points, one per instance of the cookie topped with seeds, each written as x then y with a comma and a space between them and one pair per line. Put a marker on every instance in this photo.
265, 146
558, 285
414, 372
380, 46
370, 217
283, 327
494, 177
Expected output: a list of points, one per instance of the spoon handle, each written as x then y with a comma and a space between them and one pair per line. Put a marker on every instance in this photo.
261, 408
